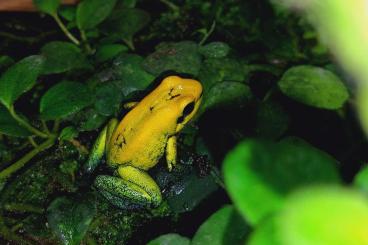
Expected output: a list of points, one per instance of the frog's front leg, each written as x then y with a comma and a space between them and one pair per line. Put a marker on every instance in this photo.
99, 147
171, 152
134, 185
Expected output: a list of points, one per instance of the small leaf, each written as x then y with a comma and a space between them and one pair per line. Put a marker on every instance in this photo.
227, 94
91, 120
126, 22
9, 126
68, 12
90, 13
108, 99
19, 78
62, 57
64, 99
324, 215
68, 133
70, 218
259, 174
314, 86
225, 226
47, 6
170, 239
361, 179
181, 57
215, 50
109, 51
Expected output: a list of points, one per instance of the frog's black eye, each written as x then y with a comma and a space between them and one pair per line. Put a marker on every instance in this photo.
187, 110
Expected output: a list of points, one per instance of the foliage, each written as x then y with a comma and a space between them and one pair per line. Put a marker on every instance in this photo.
274, 155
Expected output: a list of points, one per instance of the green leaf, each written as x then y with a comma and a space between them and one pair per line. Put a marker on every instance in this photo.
68, 12
90, 13
62, 57
9, 126
170, 239
272, 120
109, 51
219, 70
64, 99
259, 174
68, 133
19, 78
324, 215
126, 22
181, 57
47, 6
70, 218
227, 94
314, 86
5, 62
225, 226
265, 233
91, 119
108, 99
127, 69
215, 50
361, 179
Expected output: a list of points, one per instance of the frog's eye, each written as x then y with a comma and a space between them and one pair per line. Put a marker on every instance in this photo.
187, 110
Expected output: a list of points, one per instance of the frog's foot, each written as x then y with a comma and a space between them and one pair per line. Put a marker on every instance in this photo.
134, 184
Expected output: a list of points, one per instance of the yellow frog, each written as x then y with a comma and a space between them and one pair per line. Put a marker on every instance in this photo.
137, 143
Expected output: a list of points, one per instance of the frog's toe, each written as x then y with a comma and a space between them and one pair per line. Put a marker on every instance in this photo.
123, 193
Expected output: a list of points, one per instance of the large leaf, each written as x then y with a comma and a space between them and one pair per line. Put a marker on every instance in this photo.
314, 86
225, 226
47, 6
259, 174
64, 99
90, 13
9, 126
126, 22
215, 50
70, 218
62, 57
170, 239
109, 51
19, 78
328, 216
108, 99
181, 57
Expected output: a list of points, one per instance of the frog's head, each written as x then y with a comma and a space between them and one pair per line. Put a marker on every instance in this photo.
186, 96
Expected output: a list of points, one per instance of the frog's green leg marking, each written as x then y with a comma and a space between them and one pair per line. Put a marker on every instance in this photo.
99, 147
171, 152
134, 184
130, 105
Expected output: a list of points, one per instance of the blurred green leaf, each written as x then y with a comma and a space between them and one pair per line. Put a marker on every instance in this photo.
259, 174
272, 120
170, 239
109, 51
5, 62
90, 13
181, 57
314, 86
64, 99
215, 50
227, 94
125, 23
361, 179
47, 6
70, 218
265, 233
9, 126
19, 78
108, 99
225, 226
324, 215
68, 133
62, 57
68, 12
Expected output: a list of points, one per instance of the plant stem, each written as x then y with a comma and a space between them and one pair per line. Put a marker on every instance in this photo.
129, 43
171, 5
33, 143
45, 128
85, 41
26, 158
9, 235
206, 36
65, 30
21, 207
26, 124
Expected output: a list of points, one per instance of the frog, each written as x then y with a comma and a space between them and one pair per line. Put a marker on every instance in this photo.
137, 142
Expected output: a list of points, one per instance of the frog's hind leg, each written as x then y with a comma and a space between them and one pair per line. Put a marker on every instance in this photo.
134, 184
99, 147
